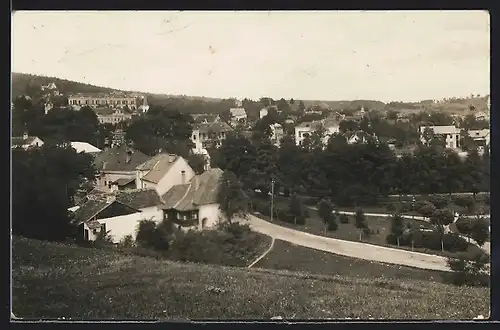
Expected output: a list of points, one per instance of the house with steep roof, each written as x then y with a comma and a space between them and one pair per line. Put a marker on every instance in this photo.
209, 135
118, 163
26, 142
118, 213
112, 116
358, 136
163, 171
194, 204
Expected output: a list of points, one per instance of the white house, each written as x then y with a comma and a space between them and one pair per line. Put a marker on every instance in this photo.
303, 130
450, 133
26, 141
117, 166
206, 134
163, 171
238, 115
85, 147
118, 213
194, 204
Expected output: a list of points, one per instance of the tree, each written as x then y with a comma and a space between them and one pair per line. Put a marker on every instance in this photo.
397, 226
236, 155
480, 231
296, 208
425, 208
441, 218
325, 210
44, 182
161, 130
197, 163
360, 221
231, 198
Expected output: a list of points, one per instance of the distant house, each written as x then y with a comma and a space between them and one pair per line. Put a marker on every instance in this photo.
163, 171
481, 115
112, 116
450, 133
51, 86
238, 115
118, 213
330, 126
194, 204
85, 147
481, 137
26, 142
205, 118
305, 130
208, 135
95, 100
357, 137
117, 163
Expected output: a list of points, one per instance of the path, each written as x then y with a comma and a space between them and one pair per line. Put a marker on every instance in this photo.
486, 247
347, 248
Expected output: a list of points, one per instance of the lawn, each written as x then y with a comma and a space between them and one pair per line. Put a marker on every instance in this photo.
379, 225
53, 281
289, 256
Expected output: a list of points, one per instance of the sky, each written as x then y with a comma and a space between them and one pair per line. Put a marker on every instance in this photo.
310, 55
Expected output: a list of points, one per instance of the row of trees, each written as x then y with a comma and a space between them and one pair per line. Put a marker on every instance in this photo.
349, 173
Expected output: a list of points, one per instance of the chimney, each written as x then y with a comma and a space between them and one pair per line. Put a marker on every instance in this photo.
128, 157
171, 158
183, 177
25, 135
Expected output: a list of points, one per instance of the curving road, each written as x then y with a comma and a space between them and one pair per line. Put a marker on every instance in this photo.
347, 248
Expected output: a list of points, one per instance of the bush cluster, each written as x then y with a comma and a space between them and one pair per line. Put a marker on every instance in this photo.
430, 240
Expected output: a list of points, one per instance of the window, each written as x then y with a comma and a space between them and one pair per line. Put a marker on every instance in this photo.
195, 215
194, 137
103, 228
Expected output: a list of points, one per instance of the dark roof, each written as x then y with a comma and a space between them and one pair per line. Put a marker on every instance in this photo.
123, 181
157, 166
114, 159
201, 190
200, 118
139, 198
217, 127
89, 209
96, 201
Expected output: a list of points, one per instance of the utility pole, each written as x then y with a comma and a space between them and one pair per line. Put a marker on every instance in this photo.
272, 198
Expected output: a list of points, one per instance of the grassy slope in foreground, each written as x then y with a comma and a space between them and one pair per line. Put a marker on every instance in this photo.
51, 280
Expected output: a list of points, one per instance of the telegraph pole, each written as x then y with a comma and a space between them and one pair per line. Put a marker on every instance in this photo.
272, 198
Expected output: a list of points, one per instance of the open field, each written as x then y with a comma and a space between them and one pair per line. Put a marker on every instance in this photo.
288, 256
53, 280
380, 227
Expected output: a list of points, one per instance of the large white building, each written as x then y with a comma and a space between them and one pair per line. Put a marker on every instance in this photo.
306, 129
450, 133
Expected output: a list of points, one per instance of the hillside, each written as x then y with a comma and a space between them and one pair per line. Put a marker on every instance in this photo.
20, 81
54, 280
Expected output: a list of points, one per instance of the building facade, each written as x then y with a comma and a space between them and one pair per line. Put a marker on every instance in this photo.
450, 134
102, 100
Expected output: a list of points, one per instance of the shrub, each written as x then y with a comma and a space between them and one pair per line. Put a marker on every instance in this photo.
464, 201
231, 245
343, 218
390, 207
151, 235
367, 231
454, 243
332, 225
465, 272
301, 220
439, 201
127, 242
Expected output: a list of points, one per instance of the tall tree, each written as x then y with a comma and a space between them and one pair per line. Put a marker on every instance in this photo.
325, 211
232, 200
360, 221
